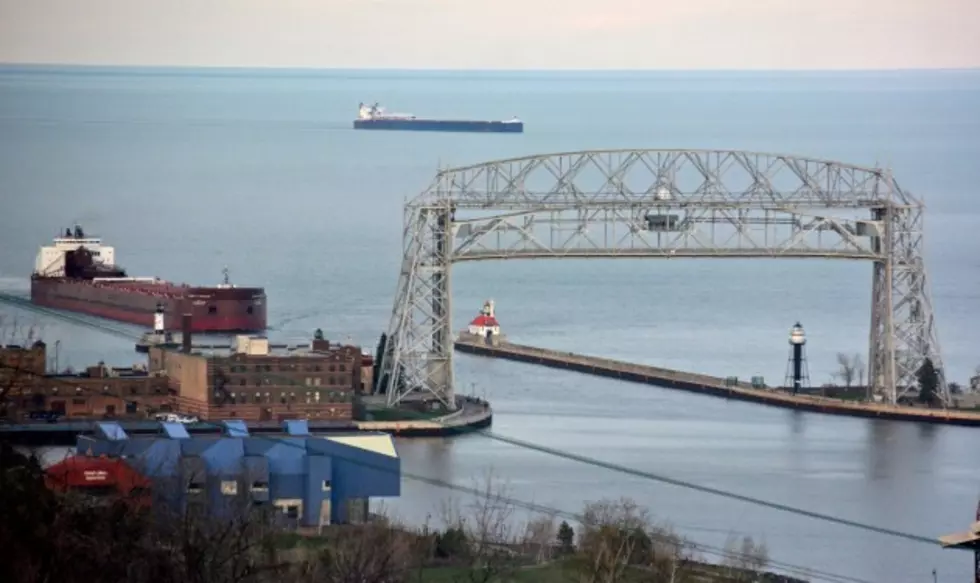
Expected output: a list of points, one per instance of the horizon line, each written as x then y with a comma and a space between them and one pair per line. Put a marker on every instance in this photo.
157, 69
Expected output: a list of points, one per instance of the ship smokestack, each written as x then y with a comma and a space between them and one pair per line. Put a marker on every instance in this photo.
185, 333
158, 320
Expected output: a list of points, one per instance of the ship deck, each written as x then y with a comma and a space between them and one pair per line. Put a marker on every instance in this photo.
159, 288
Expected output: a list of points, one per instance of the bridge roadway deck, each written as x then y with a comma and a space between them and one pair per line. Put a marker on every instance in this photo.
714, 386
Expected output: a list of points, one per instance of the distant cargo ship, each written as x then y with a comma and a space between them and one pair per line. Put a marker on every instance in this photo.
374, 117
78, 273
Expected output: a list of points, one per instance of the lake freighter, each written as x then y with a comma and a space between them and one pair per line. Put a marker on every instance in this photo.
78, 273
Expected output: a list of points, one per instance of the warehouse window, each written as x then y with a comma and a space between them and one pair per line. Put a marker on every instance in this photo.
229, 487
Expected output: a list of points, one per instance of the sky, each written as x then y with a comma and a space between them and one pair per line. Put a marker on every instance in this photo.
495, 34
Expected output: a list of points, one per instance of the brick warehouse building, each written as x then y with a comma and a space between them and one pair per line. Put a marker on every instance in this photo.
20, 365
254, 382
98, 392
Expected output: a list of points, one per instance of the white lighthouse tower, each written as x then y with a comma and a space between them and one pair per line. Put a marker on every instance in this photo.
158, 320
797, 372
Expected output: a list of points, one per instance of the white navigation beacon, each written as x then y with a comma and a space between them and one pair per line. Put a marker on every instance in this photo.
158, 319
796, 335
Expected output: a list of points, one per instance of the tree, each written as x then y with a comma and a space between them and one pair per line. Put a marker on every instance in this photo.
230, 543
488, 527
566, 538
928, 379
539, 538
452, 543
60, 538
744, 558
618, 537
73, 538
379, 354
850, 368
381, 378
376, 552
19, 368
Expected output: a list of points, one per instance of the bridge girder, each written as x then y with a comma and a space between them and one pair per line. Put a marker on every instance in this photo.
661, 204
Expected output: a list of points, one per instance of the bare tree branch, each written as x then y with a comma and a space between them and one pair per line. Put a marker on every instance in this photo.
490, 546
744, 558
851, 369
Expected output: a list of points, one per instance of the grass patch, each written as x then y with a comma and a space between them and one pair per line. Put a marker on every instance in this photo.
292, 540
548, 573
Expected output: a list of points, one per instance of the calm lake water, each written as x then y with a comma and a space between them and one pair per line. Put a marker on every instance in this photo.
188, 172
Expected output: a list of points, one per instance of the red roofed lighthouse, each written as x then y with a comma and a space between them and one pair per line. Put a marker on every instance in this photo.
485, 326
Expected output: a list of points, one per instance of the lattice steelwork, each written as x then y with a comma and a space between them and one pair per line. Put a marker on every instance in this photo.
661, 204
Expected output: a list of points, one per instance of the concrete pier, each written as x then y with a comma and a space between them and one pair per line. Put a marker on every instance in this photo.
473, 414
714, 386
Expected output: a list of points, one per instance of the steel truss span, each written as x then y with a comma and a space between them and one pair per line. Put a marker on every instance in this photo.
661, 204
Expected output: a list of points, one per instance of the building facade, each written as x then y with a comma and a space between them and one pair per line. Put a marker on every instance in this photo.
253, 382
98, 392
306, 480
20, 367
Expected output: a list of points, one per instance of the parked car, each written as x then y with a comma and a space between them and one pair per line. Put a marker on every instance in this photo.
49, 416
175, 418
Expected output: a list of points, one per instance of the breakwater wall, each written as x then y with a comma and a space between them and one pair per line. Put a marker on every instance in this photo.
713, 386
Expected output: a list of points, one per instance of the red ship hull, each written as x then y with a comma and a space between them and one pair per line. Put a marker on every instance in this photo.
212, 309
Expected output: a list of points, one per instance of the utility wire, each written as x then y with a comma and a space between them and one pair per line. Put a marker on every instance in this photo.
517, 502
709, 490
685, 484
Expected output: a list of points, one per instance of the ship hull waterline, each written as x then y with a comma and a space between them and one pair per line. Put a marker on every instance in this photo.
432, 125
213, 310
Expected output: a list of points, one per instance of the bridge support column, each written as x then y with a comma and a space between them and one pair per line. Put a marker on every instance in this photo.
440, 363
418, 359
903, 330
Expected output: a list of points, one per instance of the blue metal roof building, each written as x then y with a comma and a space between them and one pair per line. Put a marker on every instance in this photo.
309, 480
